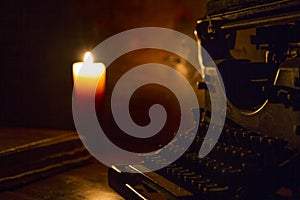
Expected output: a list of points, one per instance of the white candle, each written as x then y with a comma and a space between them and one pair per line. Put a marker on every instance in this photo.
86, 78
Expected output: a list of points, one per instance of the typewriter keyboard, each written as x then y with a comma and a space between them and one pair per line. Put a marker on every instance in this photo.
242, 165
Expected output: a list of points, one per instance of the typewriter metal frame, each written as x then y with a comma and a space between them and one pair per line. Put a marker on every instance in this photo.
217, 33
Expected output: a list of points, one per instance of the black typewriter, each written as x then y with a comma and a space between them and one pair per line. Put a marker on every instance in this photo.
256, 46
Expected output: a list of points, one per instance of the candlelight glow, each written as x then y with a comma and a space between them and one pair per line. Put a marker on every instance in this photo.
87, 75
76, 69
89, 71
77, 66
88, 57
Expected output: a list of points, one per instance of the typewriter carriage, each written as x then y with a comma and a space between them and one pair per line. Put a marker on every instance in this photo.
257, 49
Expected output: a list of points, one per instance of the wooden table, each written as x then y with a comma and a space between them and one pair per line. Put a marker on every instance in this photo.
88, 182
49, 164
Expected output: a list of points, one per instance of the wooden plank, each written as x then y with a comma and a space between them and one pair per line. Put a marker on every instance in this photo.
33, 154
85, 182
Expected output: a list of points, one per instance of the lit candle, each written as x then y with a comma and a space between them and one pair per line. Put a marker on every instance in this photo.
87, 75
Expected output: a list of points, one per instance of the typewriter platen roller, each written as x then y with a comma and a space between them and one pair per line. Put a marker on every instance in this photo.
256, 47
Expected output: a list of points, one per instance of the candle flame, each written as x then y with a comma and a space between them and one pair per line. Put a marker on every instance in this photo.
88, 57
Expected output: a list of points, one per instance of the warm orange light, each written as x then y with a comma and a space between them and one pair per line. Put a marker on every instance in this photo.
88, 57
86, 78
76, 69
88, 72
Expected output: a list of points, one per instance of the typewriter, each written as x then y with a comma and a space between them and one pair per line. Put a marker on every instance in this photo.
256, 47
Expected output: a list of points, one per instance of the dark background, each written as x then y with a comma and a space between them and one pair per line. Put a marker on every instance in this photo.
39, 41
